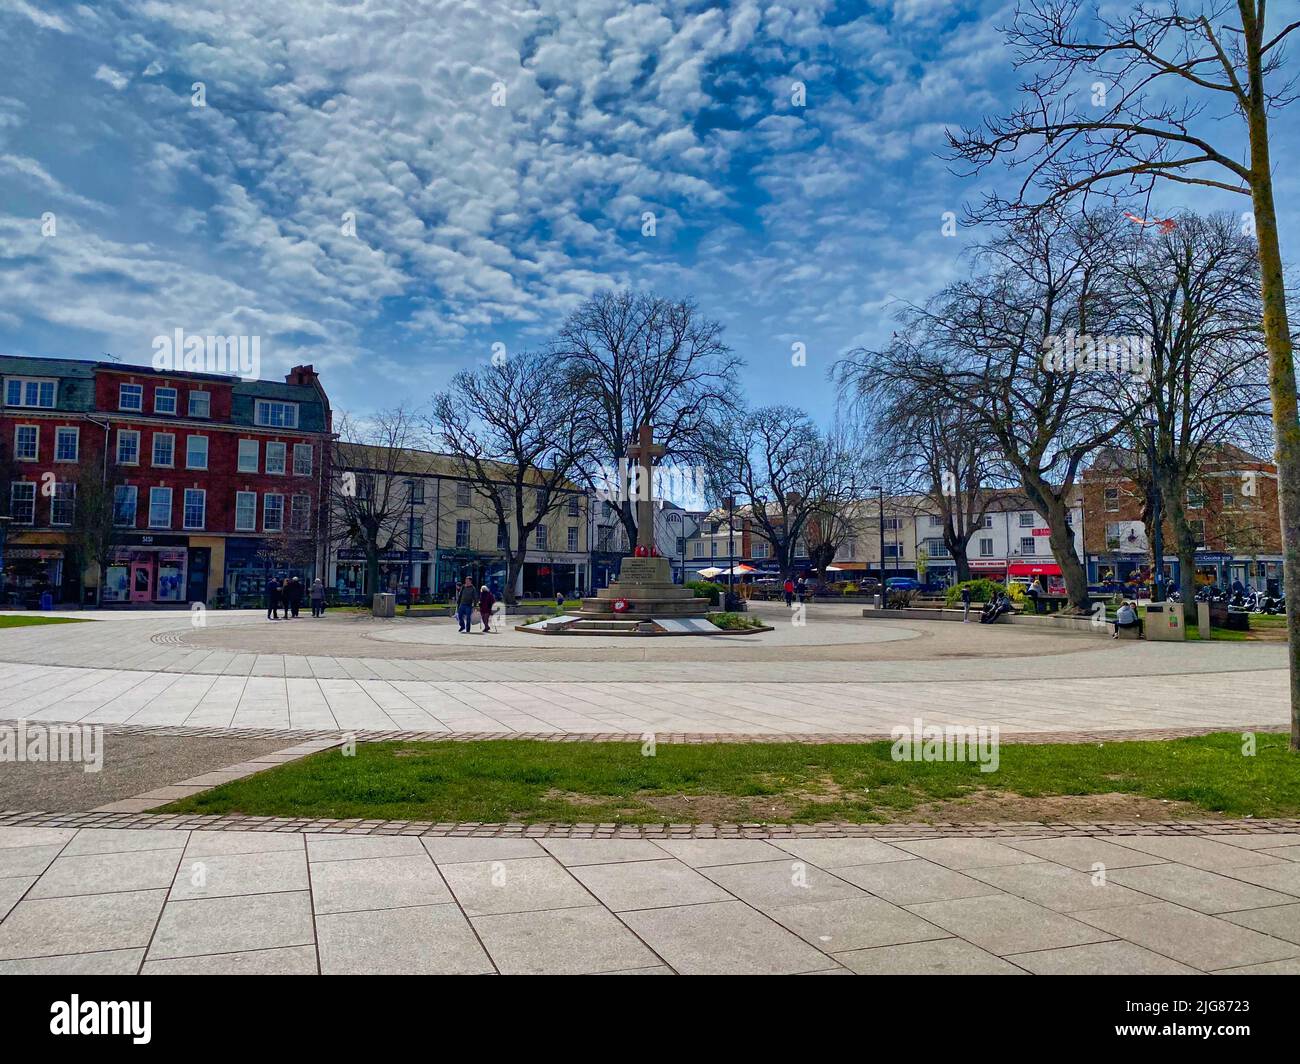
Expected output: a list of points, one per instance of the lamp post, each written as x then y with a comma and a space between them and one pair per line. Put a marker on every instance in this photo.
4, 536
731, 547
410, 544
880, 490
1157, 532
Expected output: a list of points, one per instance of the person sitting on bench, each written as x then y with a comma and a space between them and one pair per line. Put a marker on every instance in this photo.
1127, 617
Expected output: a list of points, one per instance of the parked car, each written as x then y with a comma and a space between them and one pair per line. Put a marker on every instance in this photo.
902, 583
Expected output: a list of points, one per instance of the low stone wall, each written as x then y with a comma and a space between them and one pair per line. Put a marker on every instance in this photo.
1046, 620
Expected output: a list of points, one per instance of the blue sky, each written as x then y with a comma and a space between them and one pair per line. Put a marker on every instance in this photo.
476, 223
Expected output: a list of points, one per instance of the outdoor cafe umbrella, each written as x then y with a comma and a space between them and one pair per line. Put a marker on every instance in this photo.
711, 572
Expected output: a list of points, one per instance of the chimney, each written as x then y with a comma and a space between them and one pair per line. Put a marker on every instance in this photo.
301, 375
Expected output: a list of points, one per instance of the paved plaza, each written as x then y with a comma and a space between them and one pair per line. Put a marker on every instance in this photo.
124, 891
838, 674
105, 901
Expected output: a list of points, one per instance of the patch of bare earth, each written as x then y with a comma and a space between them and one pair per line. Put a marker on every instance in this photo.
982, 806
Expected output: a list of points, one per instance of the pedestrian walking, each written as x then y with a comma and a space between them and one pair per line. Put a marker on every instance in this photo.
486, 600
965, 604
273, 599
465, 602
292, 597
789, 591
317, 597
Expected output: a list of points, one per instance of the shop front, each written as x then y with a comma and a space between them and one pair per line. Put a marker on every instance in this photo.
146, 574
1042, 573
250, 563
351, 583
30, 572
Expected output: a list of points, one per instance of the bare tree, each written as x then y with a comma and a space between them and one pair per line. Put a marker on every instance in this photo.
1194, 291
1174, 85
784, 475
636, 359
515, 433
95, 531
977, 351
371, 461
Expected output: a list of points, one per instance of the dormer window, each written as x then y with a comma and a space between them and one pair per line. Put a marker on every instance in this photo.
275, 414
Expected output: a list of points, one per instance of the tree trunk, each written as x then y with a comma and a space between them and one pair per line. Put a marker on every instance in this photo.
372, 569
1062, 543
514, 566
962, 560
1282, 389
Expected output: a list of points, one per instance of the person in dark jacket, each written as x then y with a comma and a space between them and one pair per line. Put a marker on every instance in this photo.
292, 596
965, 603
317, 597
486, 600
273, 599
465, 602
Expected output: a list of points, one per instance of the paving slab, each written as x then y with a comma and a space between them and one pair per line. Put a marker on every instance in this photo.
1195, 888
1100, 958
573, 852
11, 890
723, 938
648, 884
215, 843
1199, 852
910, 882
837, 853
966, 853
1056, 887
48, 927
561, 942
231, 874
376, 883
1083, 853
949, 956
525, 884
854, 923
418, 940
353, 847
107, 962
789, 882
1280, 921
451, 850
287, 960
233, 925
28, 860
1203, 942
104, 873
1003, 924
123, 840
703, 853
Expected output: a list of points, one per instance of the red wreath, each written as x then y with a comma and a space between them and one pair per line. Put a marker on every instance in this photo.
641, 551
621, 605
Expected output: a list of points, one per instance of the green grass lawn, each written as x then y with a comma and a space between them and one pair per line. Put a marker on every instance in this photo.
25, 621
520, 780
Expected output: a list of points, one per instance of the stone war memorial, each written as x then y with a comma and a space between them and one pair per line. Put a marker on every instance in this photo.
643, 601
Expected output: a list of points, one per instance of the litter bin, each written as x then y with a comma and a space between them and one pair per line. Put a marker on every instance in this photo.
384, 605
1165, 621
47, 601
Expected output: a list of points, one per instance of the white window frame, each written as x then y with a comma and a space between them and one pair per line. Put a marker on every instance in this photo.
1026, 520
153, 450
266, 512
468, 532
257, 456
190, 439
135, 505
305, 525
59, 430
134, 434
23, 383
262, 415
541, 537
175, 396
71, 488
573, 539
189, 402
185, 509
464, 493
27, 486
1028, 545
1106, 497
36, 455
309, 451
251, 527
152, 492
271, 446
121, 397
986, 546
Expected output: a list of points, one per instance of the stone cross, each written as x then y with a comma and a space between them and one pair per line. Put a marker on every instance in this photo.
644, 452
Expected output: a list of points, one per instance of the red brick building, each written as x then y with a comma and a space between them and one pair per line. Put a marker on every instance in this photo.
214, 480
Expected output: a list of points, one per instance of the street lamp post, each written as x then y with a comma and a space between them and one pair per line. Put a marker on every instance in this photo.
4, 536
410, 545
731, 548
880, 490
1157, 532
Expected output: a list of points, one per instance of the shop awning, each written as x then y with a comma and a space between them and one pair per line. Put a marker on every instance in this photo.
978, 566
1033, 569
